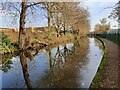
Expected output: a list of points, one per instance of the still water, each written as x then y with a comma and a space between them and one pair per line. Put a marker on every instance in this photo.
70, 65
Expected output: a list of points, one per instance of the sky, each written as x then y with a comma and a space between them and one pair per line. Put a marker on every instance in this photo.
96, 8
97, 11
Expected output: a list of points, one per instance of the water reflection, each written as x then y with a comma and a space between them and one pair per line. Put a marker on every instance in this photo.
24, 69
65, 65
54, 67
6, 62
23, 55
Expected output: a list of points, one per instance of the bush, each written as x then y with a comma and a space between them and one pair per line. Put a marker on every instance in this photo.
5, 44
6, 40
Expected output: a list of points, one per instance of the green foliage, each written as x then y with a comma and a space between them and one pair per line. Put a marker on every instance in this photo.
108, 27
5, 44
112, 37
7, 62
69, 35
103, 26
6, 40
51, 37
103, 21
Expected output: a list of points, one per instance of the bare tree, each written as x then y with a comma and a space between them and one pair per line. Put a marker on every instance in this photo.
69, 15
115, 14
19, 9
62, 16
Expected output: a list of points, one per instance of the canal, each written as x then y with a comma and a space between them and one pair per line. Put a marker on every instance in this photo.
69, 65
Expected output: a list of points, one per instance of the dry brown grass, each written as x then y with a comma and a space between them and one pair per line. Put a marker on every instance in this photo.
12, 34
38, 35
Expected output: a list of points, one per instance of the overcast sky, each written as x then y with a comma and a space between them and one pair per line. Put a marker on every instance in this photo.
96, 8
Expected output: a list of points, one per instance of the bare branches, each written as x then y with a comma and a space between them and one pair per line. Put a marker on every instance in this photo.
33, 4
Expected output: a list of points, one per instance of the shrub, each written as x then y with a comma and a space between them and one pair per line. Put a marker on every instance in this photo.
5, 44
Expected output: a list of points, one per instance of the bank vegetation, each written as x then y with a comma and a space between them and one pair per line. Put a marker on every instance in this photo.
65, 20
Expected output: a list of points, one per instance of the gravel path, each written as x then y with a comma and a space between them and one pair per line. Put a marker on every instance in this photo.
110, 77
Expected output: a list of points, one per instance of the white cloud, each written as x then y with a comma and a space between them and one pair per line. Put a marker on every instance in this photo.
101, 0
62, 0
97, 11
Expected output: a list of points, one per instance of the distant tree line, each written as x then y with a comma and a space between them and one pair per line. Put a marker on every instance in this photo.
103, 26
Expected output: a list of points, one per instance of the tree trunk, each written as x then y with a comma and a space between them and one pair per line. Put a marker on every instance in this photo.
58, 26
50, 57
49, 28
22, 24
48, 23
64, 25
24, 69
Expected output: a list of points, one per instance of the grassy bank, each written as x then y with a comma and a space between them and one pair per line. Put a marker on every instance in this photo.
98, 75
9, 40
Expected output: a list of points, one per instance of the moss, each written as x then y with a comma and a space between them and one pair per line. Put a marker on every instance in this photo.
98, 75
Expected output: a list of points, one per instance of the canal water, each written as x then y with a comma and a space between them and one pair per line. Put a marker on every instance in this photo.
70, 65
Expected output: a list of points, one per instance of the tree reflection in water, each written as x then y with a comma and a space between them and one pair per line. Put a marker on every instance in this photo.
24, 69
23, 56
65, 63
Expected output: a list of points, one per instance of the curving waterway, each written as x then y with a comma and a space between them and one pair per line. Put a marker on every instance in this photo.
69, 65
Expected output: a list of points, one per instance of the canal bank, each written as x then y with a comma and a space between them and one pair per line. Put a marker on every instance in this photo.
108, 73
34, 45
98, 75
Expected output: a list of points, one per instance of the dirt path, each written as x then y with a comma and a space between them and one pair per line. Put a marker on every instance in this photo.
110, 76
